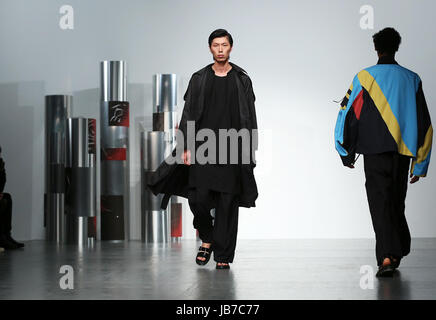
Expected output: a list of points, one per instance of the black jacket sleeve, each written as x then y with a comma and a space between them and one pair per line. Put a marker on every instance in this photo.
254, 136
189, 97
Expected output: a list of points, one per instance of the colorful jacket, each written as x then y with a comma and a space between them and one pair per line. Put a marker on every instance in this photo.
385, 110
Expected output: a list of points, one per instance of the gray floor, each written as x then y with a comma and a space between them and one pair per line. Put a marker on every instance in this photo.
262, 269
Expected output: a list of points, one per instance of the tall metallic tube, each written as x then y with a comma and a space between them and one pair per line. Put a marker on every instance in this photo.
114, 155
156, 145
155, 222
57, 110
81, 191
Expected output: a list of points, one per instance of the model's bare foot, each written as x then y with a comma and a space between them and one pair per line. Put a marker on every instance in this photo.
222, 264
386, 262
205, 245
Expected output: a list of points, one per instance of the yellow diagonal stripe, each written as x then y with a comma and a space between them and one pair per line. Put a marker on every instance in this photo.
425, 148
350, 89
368, 82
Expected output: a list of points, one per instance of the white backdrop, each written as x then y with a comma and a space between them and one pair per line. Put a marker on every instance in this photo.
300, 55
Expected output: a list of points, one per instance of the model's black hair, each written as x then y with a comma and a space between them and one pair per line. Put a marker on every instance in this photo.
218, 33
387, 41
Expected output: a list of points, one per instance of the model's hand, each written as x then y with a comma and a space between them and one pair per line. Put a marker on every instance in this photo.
413, 178
186, 157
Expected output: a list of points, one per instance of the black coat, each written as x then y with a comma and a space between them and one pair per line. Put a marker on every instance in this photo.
173, 179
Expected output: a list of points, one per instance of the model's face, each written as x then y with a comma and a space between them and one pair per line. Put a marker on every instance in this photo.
220, 49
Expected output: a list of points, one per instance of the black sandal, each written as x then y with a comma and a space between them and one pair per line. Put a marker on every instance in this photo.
395, 262
385, 271
388, 270
205, 253
223, 266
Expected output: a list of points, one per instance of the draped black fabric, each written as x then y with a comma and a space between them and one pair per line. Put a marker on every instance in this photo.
173, 179
221, 112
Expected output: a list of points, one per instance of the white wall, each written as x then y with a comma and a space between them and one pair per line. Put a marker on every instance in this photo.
301, 55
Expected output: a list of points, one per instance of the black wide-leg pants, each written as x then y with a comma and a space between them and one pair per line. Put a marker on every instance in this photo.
386, 187
220, 230
6, 214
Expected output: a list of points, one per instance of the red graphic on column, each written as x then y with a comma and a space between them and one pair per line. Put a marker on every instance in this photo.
118, 113
176, 220
92, 142
114, 154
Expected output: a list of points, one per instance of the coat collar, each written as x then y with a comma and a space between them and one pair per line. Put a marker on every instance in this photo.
203, 76
387, 60
238, 69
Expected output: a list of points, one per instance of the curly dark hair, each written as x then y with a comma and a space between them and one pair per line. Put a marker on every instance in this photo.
218, 33
387, 41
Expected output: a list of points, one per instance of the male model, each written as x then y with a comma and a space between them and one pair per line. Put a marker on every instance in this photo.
219, 97
384, 116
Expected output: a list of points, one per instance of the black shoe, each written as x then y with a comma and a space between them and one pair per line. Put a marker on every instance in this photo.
395, 263
205, 253
7, 245
385, 271
223, 266
10, 239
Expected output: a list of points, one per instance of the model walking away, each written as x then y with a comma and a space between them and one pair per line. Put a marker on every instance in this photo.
384, 116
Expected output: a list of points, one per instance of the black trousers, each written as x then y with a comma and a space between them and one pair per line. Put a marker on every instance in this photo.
5, 214
222, 230
386, 187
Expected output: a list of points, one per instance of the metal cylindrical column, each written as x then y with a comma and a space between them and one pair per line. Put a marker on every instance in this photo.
81, 193
57, 110
156, 145
155, 222
165, 119
114, 155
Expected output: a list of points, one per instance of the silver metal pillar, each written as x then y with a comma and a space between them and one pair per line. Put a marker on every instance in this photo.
81, 193
156, 145
165, 119
57, 110
155, 222
114, 155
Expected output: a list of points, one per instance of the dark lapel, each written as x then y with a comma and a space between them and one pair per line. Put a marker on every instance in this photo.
205, 75
244, 112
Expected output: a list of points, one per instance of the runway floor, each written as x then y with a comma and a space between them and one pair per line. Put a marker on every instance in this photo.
262, 269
